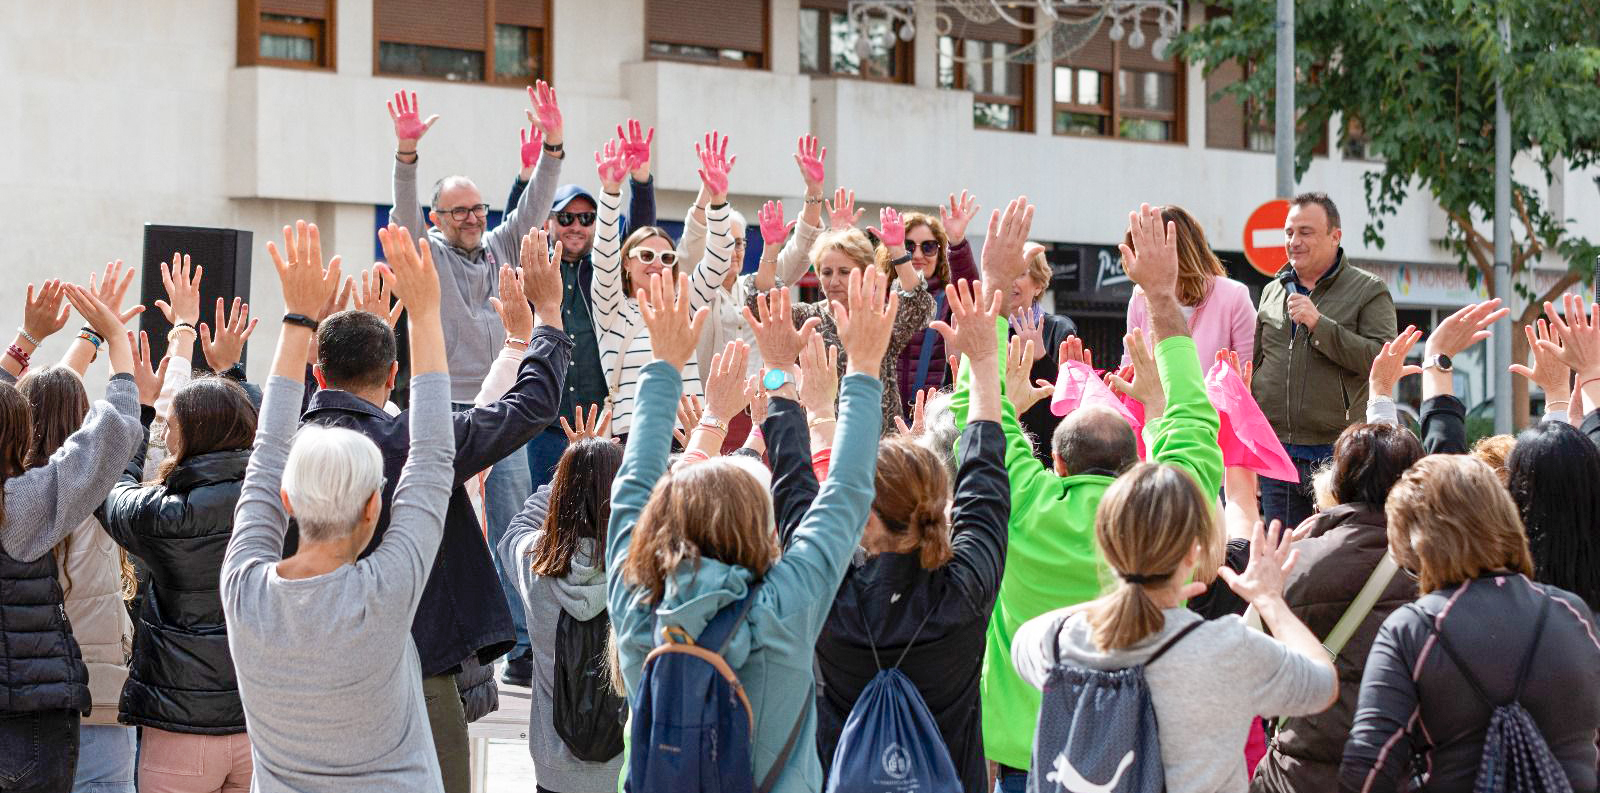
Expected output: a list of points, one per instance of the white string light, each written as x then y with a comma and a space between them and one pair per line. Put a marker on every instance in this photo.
1051, 21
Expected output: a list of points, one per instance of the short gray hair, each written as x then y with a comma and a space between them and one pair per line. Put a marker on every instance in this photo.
1095, 439
939, 431
445, 184
330, 475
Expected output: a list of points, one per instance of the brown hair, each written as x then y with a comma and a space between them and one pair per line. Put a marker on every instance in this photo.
941, 264
212, 414
1494, 451
580, 506
1321, 200
1368, 459
912, 489
1451, 520
58, 405
1197, 265
712, 509
1147, 523
850, 241
16, 433
634, 240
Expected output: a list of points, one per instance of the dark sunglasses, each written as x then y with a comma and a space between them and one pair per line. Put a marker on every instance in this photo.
460, 213
929, 247
582, 218
649, 255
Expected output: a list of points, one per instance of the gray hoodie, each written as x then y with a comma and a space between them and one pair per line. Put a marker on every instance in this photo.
581, 593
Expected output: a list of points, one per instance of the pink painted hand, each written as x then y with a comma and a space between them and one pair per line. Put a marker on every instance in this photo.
612, 163
532, 145
773, 230
893, 231
810, 157
546, 113
714, 165
408, 124
636, 145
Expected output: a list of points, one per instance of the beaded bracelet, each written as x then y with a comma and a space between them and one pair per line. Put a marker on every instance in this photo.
88, 334
27, 335
17, 353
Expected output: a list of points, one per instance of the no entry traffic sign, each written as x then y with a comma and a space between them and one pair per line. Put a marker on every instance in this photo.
1263, 237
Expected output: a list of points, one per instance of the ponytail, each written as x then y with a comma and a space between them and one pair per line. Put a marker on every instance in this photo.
1124, 617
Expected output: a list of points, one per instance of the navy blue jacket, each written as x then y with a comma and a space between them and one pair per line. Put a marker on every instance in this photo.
463, 612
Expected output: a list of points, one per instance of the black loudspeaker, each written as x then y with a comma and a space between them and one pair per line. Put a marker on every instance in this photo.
225, 255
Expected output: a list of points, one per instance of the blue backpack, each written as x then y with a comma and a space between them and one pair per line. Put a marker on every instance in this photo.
890, 742
1097, 728
692, 720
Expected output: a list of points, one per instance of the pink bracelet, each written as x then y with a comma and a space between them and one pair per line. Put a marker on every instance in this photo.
17, 353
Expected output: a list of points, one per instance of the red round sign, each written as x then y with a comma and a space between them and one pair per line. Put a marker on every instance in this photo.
1263, 237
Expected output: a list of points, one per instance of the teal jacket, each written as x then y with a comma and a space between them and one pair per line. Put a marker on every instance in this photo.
1052, 561
772, 651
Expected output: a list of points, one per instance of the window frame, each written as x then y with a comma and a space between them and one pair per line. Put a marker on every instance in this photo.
542, 63
758, 61
904, 55
490, 78
1022, 104
251, 26
1112, 108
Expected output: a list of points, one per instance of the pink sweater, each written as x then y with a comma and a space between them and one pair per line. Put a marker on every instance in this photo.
1225, 320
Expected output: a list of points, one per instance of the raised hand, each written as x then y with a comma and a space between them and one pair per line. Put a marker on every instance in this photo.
183, 289
819, 376
1465, 328
809, 156
408, 124
1245, 371
759, 398
1579, 337
307, 284
1152, 262
956, 217
612, 163
46, 312
1002, 261
590, 427
1146, 383
715, 165
111, 289
146, 375
372, 296
636, 146
893, 231
842, 212
773, 230
512, 305
725, 392
224, 347
689, 413
865, 320
1548, 372
777, 338
1030, 327
674, 326
1019, 362
1272, 556
1390, 363
105, 323
410, 269
532, 145
546, 113
971, 329
1072, 349
919, 411
541, 275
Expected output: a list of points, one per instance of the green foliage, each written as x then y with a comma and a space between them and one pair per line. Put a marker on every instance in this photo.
1416, 77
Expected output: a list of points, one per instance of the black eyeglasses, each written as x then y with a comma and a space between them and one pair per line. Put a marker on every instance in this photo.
460, 213
567, 218
929, 247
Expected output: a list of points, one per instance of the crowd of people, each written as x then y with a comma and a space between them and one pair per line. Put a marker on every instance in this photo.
904, 537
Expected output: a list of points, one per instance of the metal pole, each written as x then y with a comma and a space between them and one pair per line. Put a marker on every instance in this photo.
1502, 246
1283, 121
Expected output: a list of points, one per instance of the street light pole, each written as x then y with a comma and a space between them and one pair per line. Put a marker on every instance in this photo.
1502, 245
1283, 119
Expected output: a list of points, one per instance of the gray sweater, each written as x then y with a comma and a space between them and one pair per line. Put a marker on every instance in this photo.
43, 504
328, 673
1205, 690
467, 279
581, 593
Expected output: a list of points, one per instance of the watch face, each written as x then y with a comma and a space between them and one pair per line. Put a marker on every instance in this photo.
774, 379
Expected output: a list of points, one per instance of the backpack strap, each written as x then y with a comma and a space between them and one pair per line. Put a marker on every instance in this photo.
1527, 655
1055, 641
720, 630
914, 635
1356, 613
783, 755
925, 357
1167, 645
1522, 671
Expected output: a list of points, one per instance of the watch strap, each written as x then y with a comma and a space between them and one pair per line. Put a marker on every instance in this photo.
301, 320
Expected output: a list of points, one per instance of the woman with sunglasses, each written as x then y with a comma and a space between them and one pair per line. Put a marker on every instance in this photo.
619, 271
940, 254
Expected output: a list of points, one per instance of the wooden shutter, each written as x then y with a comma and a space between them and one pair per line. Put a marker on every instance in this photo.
841, 6
526, 13
1096, 52
310, 9
458, 25
998, 30
715, 24
1140, 60
1225, 122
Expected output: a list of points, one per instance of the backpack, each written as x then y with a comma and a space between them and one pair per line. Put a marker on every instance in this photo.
1097, 728
691, 718
1515, 758
890, 743
586, 712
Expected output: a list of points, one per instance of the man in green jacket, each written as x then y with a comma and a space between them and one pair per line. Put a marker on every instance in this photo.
1051, 559
1319, 325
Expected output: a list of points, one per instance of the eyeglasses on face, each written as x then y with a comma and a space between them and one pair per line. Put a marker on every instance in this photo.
929, 247
459, 214
739, 243
649, 255
568, 218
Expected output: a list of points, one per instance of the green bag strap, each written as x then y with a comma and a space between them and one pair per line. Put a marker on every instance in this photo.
1361, 606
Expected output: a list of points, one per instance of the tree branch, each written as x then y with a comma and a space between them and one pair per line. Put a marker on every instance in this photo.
1478, 246
1535, 308
1534, 247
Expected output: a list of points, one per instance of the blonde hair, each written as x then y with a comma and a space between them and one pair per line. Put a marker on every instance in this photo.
850, 242
1197, 265
1147, 523
911, 490
1451, 520
636, 239
941, 264
1322, 487
714, 509
1494, 451
1038, 266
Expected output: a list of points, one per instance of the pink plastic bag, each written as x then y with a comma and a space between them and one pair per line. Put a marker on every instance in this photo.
1246, 437
1078, 386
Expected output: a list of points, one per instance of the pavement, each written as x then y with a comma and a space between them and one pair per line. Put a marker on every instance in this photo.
509, 768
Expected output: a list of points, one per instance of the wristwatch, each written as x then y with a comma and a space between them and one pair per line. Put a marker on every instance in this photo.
774, 379
1440, 362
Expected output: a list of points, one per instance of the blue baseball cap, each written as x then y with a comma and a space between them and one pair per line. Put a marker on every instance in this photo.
567, 192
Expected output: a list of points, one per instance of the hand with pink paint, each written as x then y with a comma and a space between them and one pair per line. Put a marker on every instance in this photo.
892, 232
546, 113
408, 124
636, 145
612, 163
715, 165
773, 230
810, 156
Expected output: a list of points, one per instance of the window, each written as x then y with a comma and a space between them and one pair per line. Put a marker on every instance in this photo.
726, 33
1108, 89
497, 41
293, 33
983, 59
829, 45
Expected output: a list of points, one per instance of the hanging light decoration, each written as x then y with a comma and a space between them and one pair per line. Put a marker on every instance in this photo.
1060, 23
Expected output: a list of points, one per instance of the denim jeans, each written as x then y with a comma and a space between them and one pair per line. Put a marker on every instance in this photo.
105, 759
38, 751
507, 487
1292, 502
1011, 780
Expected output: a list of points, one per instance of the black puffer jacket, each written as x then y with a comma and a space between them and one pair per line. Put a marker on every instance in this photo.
181, 678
